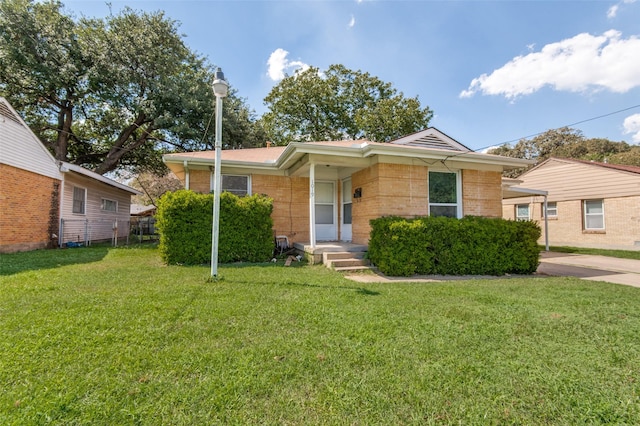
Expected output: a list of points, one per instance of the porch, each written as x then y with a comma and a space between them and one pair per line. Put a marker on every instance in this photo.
314, 254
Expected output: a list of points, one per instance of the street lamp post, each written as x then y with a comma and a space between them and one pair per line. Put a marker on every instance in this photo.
220, 89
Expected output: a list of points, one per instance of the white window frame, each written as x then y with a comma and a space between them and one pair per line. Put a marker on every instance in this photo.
520, 217
248, 177
107, 201
83, 202
458, 203
585, 215
552, 211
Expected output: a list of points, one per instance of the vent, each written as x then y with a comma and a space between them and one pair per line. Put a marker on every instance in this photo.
5, 111
433, 142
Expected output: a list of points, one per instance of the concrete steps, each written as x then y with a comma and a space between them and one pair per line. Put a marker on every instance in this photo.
346, 261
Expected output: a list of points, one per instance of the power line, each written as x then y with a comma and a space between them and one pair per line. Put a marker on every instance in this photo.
567, 125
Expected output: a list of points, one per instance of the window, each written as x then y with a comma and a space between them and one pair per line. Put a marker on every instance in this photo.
79, 200
238, 185
522, 212
593, 215
109, 205
552, 209
444, 194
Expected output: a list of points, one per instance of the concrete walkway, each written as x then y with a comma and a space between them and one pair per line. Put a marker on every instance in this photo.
591, 267
588, 267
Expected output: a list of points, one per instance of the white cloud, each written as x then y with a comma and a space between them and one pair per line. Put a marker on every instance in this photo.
631, 126
613, 10
278, 64
352, 21
581, 63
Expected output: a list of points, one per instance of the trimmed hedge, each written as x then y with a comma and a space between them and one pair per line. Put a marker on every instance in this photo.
184, 221
448, 246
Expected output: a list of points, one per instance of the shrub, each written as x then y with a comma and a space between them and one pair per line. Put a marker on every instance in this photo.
447, 246
184, 221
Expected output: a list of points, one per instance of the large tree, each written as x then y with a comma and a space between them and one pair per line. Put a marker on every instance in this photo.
570, 143
340, 103
112, 93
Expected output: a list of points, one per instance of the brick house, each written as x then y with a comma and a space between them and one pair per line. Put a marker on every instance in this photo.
589, 204
45, 202
329, 191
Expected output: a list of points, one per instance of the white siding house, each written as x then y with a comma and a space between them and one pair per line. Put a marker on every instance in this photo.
37, 206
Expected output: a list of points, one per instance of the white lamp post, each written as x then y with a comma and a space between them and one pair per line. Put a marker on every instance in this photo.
220, 89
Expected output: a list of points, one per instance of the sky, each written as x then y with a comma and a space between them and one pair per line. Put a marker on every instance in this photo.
493, 72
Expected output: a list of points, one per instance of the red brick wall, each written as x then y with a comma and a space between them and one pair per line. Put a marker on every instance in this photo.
29, 210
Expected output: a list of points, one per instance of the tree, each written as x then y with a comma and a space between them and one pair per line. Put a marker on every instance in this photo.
113, 93
340, 104
569, 143
153, 187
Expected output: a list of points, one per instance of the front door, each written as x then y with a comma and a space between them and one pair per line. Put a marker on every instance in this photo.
326, 227
345, 225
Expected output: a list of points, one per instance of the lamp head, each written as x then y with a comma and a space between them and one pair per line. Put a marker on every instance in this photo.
220, 85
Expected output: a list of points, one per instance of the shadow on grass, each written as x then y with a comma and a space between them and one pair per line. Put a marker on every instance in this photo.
14, 263
360, 290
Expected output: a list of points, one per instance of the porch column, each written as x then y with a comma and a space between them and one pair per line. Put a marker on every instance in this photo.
312, 205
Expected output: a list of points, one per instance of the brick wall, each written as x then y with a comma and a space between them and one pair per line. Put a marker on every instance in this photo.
621, 215
200, 181
29, 210
481, 193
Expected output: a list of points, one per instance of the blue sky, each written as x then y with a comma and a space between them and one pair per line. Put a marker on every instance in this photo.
492, 71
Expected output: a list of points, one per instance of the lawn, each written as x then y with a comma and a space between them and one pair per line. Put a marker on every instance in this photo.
113, 336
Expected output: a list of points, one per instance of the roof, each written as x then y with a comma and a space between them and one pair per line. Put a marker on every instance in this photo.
428, 144
619, 167
68, 167
142, 210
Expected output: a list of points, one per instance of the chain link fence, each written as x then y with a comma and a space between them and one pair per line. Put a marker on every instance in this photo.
143, 229
84, 232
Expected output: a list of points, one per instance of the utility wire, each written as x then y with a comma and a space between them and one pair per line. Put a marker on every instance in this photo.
567, 125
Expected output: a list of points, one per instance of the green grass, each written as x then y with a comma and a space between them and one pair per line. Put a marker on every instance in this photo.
624, 254
113, 336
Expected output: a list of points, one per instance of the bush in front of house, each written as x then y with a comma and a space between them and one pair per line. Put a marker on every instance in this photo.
448, 246
184, 222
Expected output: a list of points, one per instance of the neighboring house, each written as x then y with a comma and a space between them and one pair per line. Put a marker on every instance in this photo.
589, 204
329, 191
45, 202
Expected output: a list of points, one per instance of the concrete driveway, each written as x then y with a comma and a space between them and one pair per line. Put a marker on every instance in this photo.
591, 267
587, 267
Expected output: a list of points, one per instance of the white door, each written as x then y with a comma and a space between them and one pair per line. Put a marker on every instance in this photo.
326, 227
345, 225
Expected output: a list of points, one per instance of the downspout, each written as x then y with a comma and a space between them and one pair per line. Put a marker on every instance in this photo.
546, 225
312, 205
186, 174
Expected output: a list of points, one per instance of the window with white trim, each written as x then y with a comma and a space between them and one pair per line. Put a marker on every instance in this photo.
522, 212
444, 194
109, 205
552, 210
236, 184
593, 215
79, 200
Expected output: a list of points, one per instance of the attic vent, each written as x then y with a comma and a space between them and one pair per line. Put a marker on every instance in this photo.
6, 112
433, 142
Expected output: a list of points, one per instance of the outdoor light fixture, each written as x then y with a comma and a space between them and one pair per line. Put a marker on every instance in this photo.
220, 89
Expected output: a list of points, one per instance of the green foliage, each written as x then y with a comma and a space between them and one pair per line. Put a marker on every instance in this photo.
111, 93
184, 221
569, 143
340, 104
448, 246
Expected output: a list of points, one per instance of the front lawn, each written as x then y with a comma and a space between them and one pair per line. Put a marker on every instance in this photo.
113, 336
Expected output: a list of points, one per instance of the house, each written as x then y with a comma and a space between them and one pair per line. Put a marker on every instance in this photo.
589, 204
45, 202
329, 191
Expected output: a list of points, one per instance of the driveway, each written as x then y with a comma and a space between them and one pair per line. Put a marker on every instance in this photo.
591, 267
587, 267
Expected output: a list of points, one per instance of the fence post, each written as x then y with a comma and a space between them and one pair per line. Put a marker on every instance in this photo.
86, 232
61, 233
